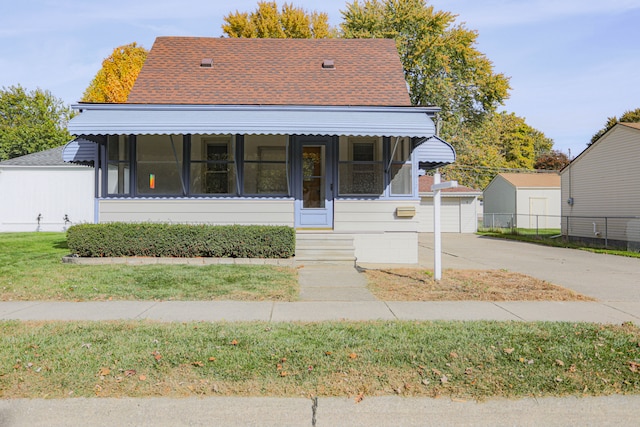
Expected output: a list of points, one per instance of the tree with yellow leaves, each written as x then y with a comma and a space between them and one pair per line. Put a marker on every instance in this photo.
269, 22
119, 72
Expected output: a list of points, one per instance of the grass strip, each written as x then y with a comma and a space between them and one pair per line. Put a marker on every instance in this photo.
545, 237
31, 269
460, 359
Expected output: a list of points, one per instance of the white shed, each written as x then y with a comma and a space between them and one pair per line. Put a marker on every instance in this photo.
601, 191
460, 208
40, 192
523, 200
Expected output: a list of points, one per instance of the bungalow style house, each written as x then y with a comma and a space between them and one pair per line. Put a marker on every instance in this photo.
600, 191
319, 135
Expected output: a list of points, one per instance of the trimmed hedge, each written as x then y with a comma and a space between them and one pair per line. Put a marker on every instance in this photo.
117, 239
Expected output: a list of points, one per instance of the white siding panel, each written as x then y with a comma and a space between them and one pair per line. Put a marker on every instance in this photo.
373, 216
247, 212
499, 197
544, 202
52, 192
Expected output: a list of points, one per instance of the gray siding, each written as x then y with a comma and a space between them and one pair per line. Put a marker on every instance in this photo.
605, 181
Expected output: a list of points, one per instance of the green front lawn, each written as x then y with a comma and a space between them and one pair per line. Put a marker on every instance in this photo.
357, 359
31, 269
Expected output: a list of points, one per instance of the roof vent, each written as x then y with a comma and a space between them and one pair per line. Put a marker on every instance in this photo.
328, 64
206, 63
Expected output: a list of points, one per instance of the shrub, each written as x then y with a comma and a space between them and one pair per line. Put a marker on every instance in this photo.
119, 239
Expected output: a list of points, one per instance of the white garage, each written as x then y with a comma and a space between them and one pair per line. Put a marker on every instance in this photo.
459, 208
40, 192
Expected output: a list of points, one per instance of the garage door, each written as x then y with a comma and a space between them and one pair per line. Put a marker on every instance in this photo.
457, 215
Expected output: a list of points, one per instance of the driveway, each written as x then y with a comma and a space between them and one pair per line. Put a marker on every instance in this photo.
605, 277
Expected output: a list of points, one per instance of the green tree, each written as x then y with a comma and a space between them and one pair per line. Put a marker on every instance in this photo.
551, 160
629, 116
441, 64
31, 121
119, 72
269, 22
502, 141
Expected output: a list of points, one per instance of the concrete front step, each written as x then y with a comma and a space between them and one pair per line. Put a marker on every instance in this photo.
325, 248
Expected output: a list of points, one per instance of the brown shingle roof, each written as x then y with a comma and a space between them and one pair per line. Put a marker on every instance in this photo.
533, 179
367, 72
631, 125
426, 181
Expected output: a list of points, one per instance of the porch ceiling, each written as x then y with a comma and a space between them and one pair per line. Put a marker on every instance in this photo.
119, 119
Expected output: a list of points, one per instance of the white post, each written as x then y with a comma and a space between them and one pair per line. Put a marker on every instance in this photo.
437, 246
437, 238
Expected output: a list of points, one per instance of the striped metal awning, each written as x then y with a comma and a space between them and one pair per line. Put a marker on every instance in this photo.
433, 153
125, 119
79, 150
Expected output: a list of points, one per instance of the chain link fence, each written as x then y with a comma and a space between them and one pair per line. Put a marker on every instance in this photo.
612, 232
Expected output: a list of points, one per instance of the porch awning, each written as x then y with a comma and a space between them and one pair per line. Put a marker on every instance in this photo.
79, 150
433, 153
124, 119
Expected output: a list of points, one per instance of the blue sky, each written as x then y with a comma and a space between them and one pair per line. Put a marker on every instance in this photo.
572, 63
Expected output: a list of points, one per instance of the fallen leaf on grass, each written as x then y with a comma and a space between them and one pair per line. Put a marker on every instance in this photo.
234, 342
212, 359
453, 355
444, 379
353, 356
359, 398
468, 371
103, 372
633, 366
129, 372
197, 364
509, 350
283, 373
142, 377
156, 355
559, 362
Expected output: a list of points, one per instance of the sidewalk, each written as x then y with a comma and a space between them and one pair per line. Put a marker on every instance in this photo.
330, 412
317, 311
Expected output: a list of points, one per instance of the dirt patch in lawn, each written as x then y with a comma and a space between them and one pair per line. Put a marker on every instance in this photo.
409, 284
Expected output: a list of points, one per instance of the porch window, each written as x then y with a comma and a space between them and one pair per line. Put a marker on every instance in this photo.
118, 165
159, 165
212, 165
265, 165
400, 167
361, 170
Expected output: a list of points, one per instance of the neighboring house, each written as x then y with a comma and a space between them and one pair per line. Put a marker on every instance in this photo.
40, 192
601, 190
522, 200
459, 208
319, 135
